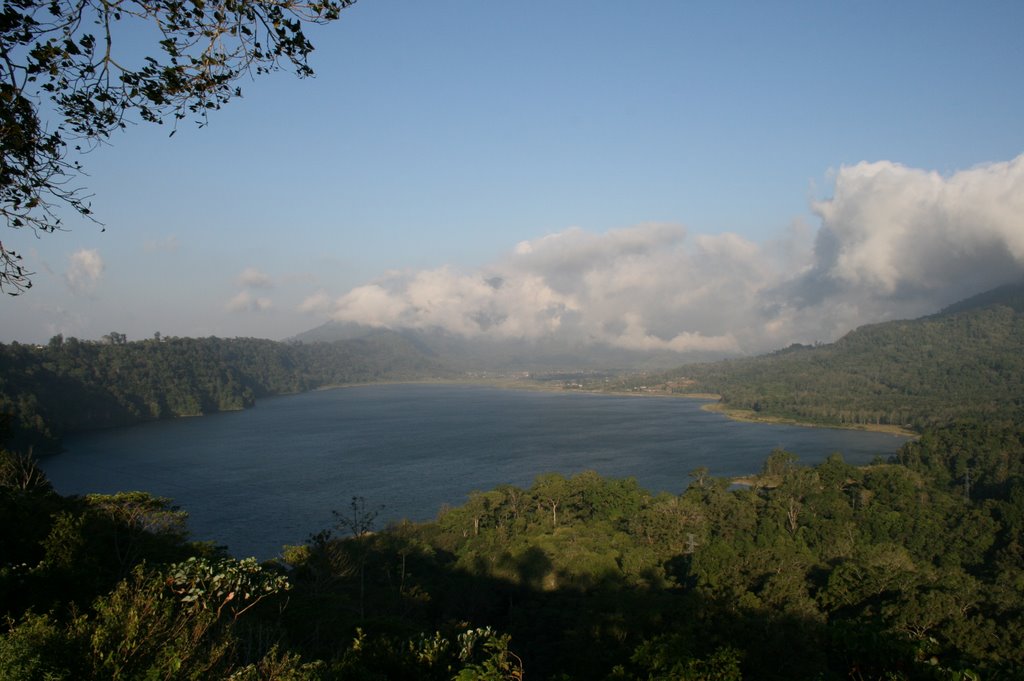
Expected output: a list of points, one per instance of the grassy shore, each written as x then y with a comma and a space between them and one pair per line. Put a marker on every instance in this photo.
748, 415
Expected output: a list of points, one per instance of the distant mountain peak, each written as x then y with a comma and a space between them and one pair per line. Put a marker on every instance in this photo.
1010, 295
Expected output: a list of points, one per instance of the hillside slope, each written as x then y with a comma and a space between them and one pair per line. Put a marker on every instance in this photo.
76, 385
964, 362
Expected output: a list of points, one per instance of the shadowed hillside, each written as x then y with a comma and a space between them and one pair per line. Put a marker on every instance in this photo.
74, 385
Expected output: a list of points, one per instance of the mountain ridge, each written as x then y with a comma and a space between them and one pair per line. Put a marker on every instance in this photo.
509, 355
966, 361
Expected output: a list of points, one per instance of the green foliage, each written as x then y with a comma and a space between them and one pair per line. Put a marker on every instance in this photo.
779, 464
64, 551
172, 623
37, 649
73, 385
139, 630
225, 586
465, 654
670, 658
907, 569
486, 657
977, 459
279, 666
966, 363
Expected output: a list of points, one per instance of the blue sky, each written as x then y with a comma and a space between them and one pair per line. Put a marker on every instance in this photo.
445, 143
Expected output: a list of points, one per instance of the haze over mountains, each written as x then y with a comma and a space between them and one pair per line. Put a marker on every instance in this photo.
486, 352
490, 354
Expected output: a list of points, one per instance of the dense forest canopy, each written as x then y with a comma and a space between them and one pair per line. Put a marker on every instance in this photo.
70, 384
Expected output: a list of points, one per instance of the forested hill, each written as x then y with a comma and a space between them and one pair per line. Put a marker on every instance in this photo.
72, 385
964, 362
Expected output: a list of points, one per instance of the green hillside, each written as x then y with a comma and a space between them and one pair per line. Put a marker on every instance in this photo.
965, 362
75, 385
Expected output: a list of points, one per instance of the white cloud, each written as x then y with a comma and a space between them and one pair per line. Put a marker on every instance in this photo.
166, 245
893, 229
84, 271
892, 242
246, 302
319, 303
898, 242
254, 278
635, 288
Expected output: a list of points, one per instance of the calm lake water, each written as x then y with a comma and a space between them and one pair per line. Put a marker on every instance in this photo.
258, 479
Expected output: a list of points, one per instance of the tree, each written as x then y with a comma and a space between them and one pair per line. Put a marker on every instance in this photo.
550, 490
21, 471
359, 522
171, 622
779, 463
67, 83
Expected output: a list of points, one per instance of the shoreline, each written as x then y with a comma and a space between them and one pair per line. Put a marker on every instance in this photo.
750, 416
712, 399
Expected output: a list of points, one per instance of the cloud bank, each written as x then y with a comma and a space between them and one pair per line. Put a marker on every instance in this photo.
899, 242
246, 302
893, 242
254, 278
84, 270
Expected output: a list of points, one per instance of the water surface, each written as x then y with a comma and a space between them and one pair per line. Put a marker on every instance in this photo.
258, 479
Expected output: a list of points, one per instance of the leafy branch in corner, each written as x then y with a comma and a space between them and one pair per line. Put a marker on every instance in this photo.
66, 85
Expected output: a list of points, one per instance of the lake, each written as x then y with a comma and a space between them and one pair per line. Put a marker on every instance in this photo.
258, 479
